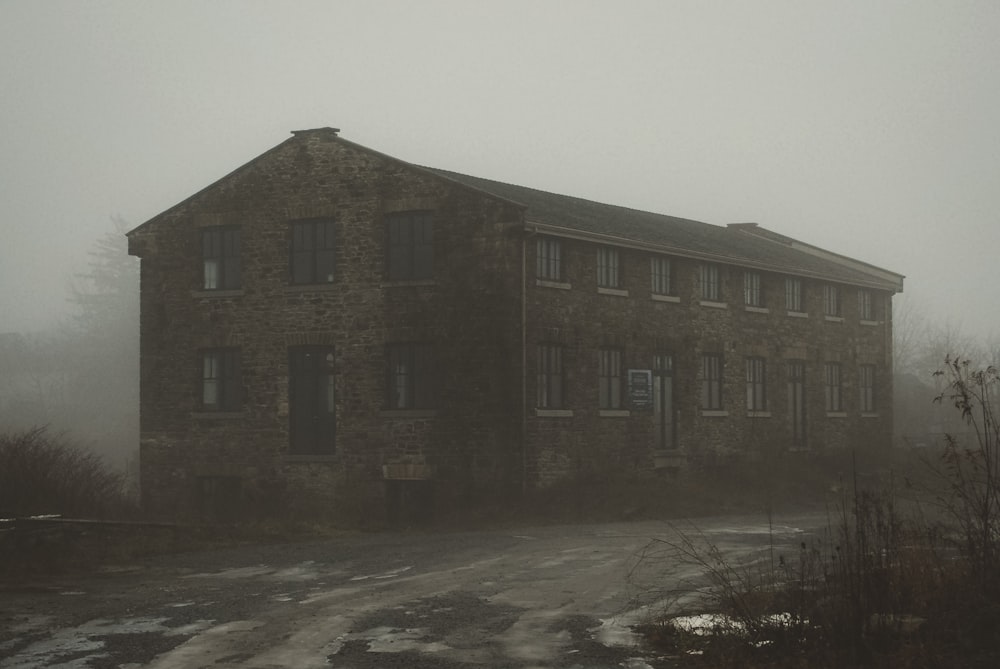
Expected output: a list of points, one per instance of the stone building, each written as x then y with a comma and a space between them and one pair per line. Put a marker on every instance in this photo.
328, 327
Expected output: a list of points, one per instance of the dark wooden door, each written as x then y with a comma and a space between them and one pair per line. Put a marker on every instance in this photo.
311, 400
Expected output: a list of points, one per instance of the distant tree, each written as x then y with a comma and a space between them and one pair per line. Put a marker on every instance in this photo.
100, 348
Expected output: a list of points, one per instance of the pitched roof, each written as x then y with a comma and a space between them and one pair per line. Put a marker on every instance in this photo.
745, 244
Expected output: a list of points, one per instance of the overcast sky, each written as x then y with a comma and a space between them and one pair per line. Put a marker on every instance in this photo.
869, 128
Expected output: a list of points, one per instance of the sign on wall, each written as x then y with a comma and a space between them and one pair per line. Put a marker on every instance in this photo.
640, 389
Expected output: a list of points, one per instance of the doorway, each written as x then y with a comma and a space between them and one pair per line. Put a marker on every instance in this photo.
311, 400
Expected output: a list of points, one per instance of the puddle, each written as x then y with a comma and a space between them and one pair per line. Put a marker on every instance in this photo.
82, 644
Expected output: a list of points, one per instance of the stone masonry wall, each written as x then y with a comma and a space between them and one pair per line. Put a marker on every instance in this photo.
467, 440
574, 313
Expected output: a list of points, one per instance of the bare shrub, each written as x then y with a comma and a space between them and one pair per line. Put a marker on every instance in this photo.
45, 473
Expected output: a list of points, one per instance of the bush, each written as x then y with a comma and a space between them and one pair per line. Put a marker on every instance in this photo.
43, 473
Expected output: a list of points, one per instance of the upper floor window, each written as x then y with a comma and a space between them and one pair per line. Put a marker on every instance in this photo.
411, 376
410, 245
831, 300
313, 251
711, 381
548, 263
609, 367
756, 384
752, 296
608, 269
833, 395
865, 309
793, 294
866, 386
660, 271
220, 253
221, 380
710, 282
550, 376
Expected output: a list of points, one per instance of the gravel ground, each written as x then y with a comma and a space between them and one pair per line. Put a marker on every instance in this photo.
540, 597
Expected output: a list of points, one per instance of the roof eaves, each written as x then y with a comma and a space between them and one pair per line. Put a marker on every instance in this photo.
883, 274
165, 212
539, 227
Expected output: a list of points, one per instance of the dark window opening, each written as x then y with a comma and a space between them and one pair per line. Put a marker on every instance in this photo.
313, 251
410, 245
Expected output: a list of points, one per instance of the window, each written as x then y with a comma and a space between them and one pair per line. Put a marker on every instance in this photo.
221, 382
756, 385
549, 259
865, 310
410, 376
220, 253
866, 385
660, 272
711, 381
607, 267
833, 399
710, 282
793, 295
751, 290
410, 245
313, 251
550, 376
609, 369
831, 300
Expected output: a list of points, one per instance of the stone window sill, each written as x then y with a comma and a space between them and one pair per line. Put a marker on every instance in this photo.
216, 415
713, 305
834, 319
756, 310
836, 414
217, 293
869, 414
758, 414
665, 298
869, 323
407, 413
547, 283
617, 292
554, 413
408, 283
669, 453
714, 413
614, 413
797, 314
312, 287
312, 457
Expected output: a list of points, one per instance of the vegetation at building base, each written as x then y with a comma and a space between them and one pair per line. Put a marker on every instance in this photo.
885, 587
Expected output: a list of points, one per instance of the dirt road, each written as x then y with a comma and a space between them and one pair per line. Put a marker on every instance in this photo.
560, 596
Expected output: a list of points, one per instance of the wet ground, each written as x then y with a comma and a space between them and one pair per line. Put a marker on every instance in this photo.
562, 596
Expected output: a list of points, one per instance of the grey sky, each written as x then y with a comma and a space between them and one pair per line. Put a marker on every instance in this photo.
868, 128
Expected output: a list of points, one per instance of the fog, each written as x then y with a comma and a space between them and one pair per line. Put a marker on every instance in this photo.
866, 128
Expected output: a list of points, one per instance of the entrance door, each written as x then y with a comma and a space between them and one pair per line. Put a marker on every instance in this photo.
797, 402
663, 402
311, 408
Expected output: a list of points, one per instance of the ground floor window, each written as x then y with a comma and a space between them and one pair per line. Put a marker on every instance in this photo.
410, 376
711, 381
833, 395
610, 378
550, 376
756, 385
221, 380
